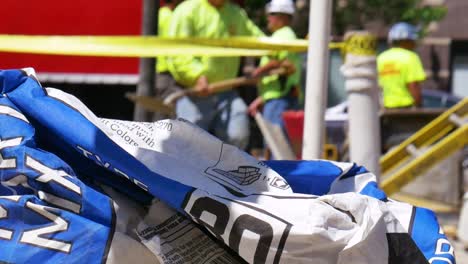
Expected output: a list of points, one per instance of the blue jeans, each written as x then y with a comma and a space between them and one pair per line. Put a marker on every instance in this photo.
273, 112
224, 115
274, 108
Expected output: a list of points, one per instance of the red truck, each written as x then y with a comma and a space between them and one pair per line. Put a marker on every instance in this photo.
84, 17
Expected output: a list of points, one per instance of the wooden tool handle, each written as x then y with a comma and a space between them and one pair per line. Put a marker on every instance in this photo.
215, 87
222, 86
151, 104
225, 85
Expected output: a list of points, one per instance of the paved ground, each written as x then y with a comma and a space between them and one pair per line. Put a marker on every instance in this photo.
461, 251
461, 255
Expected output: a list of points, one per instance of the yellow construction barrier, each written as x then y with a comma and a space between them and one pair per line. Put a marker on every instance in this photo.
430, 145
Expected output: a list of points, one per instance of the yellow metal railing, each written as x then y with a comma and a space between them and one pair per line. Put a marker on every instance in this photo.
433, 143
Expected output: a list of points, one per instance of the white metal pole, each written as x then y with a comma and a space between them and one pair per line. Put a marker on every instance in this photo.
317, 78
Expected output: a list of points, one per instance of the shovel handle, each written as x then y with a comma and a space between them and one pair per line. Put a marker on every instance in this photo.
222, 86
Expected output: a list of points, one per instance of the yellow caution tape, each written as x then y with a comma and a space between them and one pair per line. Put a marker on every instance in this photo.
115, 46
360, 43
262, 43
336, 45
298, 45
139, 46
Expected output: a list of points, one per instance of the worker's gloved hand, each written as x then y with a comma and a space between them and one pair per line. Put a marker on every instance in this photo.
288, 66
255, 106
202, 86
256, 73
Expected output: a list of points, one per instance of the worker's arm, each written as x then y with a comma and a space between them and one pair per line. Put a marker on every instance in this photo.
255, 106
414, 78
415, 90
272, 64
202, 86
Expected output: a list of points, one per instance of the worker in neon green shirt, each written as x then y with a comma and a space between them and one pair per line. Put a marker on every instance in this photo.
278, 93
164, 81
223, 114
400, 69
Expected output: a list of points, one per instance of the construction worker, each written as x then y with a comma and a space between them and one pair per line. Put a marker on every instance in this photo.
164, 82
400, 69
223, 114
278, 93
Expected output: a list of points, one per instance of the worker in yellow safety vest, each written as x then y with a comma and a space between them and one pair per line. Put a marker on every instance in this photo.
278, 93
224, 114
400, 69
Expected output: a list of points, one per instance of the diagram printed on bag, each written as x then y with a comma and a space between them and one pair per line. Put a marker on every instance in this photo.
279, 183
243, 175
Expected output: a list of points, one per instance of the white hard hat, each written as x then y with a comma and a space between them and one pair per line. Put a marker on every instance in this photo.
401, 31
280, 6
